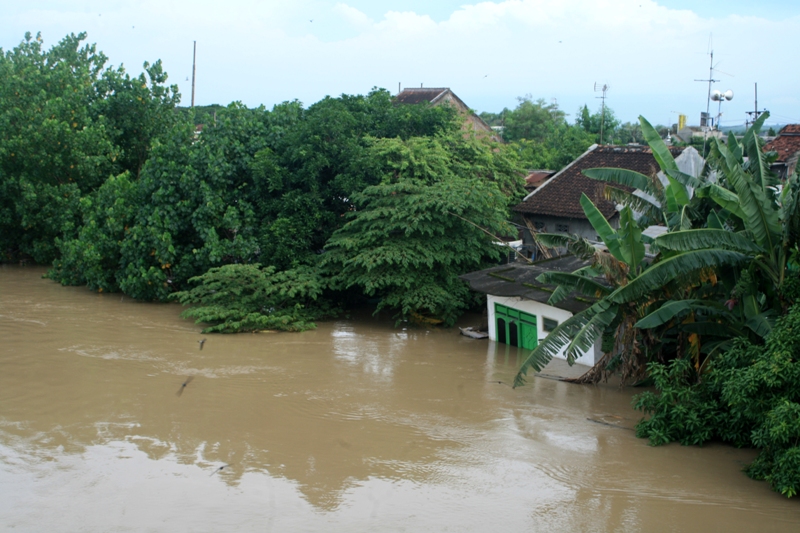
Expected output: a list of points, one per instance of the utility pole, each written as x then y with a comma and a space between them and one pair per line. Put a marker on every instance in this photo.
194, 70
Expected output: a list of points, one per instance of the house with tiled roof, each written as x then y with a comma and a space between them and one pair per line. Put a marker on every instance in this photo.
444, 96
787, 146
518, 306
555, 207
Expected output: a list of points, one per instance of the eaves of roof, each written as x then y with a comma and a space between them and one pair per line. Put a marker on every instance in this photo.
519, 280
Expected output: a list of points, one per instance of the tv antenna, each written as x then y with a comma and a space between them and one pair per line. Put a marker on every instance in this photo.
752, 116
705, 117
604, 90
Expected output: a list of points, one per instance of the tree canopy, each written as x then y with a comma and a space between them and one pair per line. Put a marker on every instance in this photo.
67, 123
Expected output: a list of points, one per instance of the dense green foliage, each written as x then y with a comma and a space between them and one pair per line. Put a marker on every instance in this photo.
67, 123
412, 234
236, 298
256, 186
726, 268
543, 138
103, 176
750, 396
540, 135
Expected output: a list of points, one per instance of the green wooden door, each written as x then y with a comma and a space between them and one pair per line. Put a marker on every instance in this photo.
516, 327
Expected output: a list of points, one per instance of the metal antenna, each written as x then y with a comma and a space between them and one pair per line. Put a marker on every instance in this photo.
710, 80
194, 69
604, 88
752, 116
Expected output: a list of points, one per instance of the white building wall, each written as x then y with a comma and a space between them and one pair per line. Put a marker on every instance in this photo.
541, 311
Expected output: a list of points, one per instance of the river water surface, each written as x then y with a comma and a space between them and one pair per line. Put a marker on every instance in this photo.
354, 426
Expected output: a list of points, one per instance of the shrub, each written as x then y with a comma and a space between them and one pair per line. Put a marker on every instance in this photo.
750, 396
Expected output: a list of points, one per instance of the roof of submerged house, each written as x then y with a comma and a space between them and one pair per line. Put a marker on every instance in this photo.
519, 279
560, 195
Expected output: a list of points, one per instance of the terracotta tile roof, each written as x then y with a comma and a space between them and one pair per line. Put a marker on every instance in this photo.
537, 177
560, 195
787, 143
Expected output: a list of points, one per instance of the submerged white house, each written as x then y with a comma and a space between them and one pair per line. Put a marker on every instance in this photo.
519, 314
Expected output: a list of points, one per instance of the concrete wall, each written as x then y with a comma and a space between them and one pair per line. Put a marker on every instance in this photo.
581, 227
541, 311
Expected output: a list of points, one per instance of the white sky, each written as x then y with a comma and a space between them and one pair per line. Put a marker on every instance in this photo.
264, 52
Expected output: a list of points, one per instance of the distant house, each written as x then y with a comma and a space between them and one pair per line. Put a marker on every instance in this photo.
536, 178
554, 207
444, 96
787, 145
519, 314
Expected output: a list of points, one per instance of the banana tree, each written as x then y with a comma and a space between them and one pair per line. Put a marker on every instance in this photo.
632, 284
761, 221
670, 204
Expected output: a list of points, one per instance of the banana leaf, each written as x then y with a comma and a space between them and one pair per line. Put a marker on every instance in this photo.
723, 197
622, 176
676, 308
760, 213
762, 323
672, 269
755, 156
685, 179
601, 226
563, 335
639, 204
707, 238
630, 239
574, 282
660, 151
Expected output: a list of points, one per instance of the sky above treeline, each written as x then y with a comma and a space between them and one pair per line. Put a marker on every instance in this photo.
648, 52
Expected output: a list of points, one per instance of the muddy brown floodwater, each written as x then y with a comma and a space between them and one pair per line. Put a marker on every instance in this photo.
355, 426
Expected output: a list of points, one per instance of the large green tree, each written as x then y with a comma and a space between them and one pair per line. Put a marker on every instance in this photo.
256, 186
67, 122
430, 219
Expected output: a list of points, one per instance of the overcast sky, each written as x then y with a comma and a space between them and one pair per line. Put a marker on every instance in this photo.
649, 52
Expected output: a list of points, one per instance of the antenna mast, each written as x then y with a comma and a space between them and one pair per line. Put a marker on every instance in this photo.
752, 116
604, 88
704, 118
194, 67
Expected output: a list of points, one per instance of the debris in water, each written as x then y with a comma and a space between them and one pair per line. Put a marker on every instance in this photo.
473, 333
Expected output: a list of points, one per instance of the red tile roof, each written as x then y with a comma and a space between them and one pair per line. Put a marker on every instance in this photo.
560, 195
787, 143
537, 177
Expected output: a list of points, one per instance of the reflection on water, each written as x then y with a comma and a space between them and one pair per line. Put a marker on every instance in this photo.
355, 426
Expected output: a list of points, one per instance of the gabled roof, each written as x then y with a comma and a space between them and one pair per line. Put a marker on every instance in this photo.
519, 279
787, 143
560, 195
426, 94
441, 95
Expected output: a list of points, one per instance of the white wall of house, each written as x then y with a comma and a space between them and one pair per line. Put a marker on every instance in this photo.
541, 311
